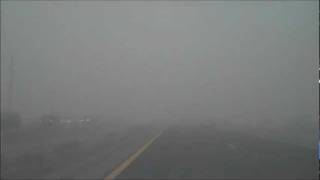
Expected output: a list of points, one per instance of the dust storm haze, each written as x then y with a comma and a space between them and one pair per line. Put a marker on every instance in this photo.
250, 66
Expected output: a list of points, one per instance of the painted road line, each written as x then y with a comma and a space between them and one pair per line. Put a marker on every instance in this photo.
127, 162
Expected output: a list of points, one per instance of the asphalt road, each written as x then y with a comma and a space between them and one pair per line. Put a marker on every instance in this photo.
205, 152
108, 154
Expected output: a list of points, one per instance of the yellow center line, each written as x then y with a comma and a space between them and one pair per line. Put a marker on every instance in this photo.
117, 171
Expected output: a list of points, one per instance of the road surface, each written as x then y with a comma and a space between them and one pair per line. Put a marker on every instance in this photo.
206, 152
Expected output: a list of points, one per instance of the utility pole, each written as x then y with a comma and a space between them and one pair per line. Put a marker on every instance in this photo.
10, 90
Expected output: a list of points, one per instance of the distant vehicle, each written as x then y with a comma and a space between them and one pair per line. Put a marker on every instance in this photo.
50, 120
65, 121
84, 120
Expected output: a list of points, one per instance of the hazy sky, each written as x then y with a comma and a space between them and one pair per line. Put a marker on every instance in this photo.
149, 59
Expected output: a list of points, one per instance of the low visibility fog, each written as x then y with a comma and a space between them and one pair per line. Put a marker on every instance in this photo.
247, 66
